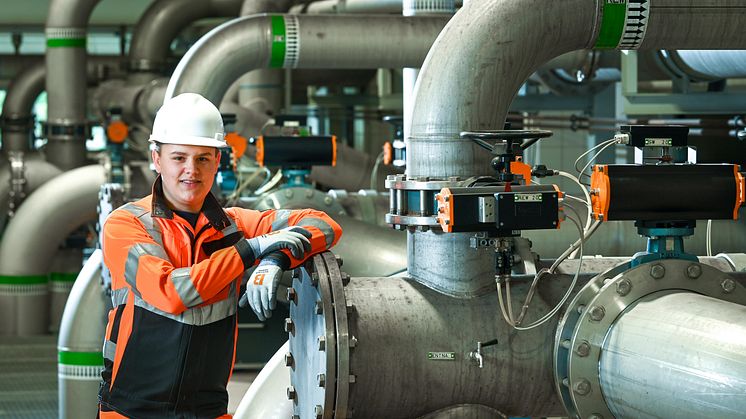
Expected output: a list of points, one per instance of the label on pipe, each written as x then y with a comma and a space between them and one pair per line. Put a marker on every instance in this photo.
623, 24
441, 356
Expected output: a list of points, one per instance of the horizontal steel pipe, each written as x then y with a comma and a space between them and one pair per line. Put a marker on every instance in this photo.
248, 43
371, 340
676, 355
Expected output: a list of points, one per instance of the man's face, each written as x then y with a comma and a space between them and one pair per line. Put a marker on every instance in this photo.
188, 172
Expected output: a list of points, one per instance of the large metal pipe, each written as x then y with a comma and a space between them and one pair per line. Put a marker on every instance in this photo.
66, 27
714, 65
472, 89
690, 362
31, 239
368, 340
80, 340
370, 250
290, 41
17, 116
162, 22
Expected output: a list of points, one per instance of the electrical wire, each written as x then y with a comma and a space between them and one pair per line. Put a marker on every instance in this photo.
516, 324
237, 192
589, 209
271, 184
374, 172
586, 202
603, 146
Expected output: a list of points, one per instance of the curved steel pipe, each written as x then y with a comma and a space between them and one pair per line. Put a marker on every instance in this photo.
161, 23
260, 400
246, 43
17, 120
32, 236
472, 89
79, 344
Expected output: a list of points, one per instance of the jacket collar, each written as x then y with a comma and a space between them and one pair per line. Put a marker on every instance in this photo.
211, 207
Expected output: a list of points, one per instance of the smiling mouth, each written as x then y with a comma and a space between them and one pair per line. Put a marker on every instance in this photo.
190, 181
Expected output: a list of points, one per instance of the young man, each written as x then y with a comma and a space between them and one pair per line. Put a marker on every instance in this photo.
176, 259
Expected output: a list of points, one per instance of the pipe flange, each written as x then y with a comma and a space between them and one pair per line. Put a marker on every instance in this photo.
320, 342
313, 348
66, 130
17, 123
341, 313
588, 318
423, 183
412, 200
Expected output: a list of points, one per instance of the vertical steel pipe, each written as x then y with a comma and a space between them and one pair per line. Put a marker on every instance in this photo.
66, 33
79, 344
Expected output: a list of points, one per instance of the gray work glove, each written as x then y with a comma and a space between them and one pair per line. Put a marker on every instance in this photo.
261, 290
295, 239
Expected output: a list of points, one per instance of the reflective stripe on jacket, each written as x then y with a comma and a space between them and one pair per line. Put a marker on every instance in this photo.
170, 340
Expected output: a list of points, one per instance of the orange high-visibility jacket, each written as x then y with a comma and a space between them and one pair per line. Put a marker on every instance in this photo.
170, 341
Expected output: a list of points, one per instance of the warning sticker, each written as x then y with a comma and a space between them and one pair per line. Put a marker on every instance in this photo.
623, 24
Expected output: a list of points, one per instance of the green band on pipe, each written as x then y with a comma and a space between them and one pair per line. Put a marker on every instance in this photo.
81, 358
612, 24
66, 42
277, 59
23, 279
62, 277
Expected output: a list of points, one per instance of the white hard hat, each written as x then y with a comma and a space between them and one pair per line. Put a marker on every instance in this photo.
188, 119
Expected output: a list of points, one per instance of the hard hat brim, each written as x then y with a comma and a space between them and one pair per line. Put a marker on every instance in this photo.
198, 141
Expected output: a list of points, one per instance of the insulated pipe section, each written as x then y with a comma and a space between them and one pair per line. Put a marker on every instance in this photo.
79, 344
478, 63
290, 41
714, 65
66, 26
17, 116
162, 22
695, 347
44, 219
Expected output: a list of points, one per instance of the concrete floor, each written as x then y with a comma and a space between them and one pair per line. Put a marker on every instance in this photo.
28, 379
